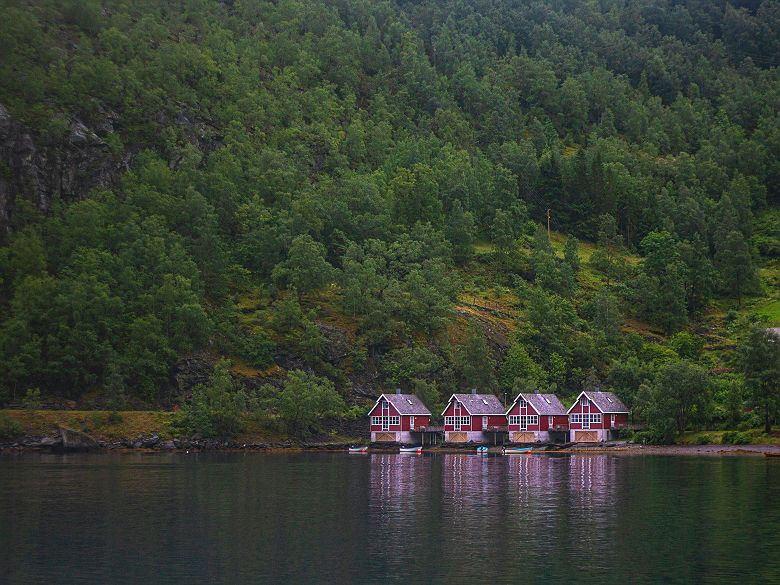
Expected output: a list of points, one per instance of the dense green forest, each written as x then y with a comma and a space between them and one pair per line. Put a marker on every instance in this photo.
328, 199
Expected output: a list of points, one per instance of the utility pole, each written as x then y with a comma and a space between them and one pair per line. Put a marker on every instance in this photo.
549, 239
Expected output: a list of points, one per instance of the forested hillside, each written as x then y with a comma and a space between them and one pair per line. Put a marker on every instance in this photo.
344, 196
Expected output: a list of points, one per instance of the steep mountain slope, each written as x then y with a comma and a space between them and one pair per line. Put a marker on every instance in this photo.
433, 195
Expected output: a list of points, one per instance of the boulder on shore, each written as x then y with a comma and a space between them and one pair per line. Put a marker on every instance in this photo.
73, 440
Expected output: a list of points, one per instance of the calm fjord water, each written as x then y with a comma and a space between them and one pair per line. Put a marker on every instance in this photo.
335, 518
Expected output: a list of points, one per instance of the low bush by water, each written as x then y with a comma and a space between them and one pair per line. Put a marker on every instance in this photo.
9, 428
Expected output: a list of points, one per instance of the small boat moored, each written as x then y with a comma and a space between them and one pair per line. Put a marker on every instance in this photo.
358, 449
517, 450
417, 450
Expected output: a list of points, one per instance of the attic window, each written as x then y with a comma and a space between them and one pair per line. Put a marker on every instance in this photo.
484, 402
547, 400
610, 400
409, 401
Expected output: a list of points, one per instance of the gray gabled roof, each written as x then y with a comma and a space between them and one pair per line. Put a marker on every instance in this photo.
405, 404
543, 404
606, 402
477, 404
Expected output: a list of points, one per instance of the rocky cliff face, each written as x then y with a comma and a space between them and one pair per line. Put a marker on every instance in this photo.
42, 174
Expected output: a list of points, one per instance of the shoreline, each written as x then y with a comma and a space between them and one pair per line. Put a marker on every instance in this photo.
154, 444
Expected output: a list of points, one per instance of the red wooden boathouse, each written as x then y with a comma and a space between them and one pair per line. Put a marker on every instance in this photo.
473, 417
535, 418
398, 418
596, 416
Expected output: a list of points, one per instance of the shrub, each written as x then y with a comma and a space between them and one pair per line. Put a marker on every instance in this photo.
258, 349
651, 437
97, 420
687, 345
306, 399
743, 439
703, 440
215, 409
114, 418
9, 428
752, 421
736, 438
32, 399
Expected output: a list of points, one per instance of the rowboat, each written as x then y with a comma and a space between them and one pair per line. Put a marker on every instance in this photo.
417, 450
358, 449
482, 450
517, 450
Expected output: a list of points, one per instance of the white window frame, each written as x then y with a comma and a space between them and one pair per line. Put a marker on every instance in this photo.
457, 420
524, 420
522, 403
528, 420
376, 421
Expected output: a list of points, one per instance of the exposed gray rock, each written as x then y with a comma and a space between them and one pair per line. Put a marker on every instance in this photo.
337, 347
43, 173
191, 371
73, 440
50, 442
150, 442
36, 442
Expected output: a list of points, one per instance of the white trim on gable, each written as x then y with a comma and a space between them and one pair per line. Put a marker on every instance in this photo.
577, 401
373, 408
594, 403
462, 405
396, 408
528, 403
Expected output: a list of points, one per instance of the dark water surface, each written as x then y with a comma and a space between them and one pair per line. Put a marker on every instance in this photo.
336, 518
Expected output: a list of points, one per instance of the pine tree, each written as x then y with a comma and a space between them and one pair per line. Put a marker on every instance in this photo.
571, 253
760, 357
460, 232
736, 265
476, 365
